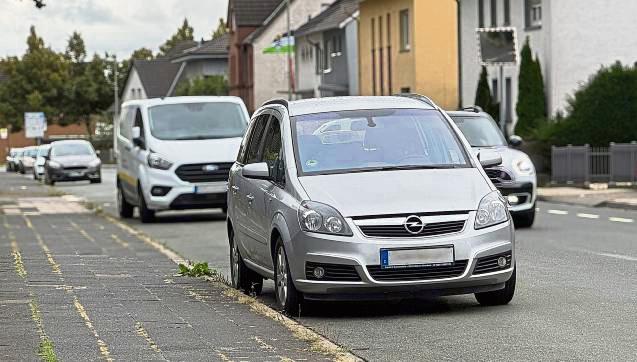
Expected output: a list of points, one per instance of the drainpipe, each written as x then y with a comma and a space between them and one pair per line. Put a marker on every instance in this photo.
459, 53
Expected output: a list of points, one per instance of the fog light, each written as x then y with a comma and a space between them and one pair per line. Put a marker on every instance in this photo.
319, 272
159, 190
513, 200
502, 262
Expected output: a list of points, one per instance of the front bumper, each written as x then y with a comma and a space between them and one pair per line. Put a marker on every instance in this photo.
525, 192
363, 254
74, 175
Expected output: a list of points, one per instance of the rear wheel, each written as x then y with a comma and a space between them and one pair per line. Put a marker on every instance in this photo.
146, 215
242, 277
524, 219
498, 297
123, 207
287, 297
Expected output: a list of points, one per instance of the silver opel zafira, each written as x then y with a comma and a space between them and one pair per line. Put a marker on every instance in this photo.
362, 198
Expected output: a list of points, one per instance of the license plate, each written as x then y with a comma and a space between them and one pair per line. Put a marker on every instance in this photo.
75, 174
402, 258
211, 189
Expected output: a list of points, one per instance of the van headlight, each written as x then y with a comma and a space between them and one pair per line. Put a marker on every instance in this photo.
320, 218
95, 163
54, 164
156, 161
491, 211
523, 167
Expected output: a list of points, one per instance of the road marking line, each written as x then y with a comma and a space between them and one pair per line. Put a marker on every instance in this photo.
17, 260
588, 216
620, 219
141, 331
618, 256
557, 212
55, 267
100, 343
119, 240
82, 231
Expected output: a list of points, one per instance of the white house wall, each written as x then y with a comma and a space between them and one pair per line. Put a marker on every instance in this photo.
133, 83
351, 44
306, 77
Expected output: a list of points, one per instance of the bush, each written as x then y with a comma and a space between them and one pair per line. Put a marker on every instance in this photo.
531, 106
215, 85
484, 99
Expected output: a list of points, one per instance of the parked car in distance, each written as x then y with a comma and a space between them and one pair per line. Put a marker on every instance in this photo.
40, 160
176, 153
72, 160
25, 163
405, 210
12, 157
515, 177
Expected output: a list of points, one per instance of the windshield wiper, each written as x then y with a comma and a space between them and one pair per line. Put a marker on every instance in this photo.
188, 138
406, 167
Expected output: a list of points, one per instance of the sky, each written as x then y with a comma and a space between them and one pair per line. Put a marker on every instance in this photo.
114, 26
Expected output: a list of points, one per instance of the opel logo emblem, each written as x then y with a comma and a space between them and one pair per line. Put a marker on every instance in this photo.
210, 168
414, 225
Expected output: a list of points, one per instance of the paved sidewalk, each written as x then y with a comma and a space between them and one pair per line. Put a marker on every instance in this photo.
77, 286
622, 198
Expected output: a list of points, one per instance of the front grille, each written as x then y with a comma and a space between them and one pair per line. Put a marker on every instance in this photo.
498, 176
399, 231
489, 264
195, 173
333, 272
418, 273
74, 168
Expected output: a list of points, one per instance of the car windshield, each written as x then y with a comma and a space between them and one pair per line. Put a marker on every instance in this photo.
42, 150
193, 121
480, 131
71, 149
375, 140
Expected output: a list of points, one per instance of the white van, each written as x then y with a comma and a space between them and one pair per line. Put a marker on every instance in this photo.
175, 153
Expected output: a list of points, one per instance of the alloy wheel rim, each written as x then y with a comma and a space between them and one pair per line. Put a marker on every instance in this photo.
235, 265
282, 277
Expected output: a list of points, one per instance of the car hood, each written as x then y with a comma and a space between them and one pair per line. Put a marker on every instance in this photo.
398, 192
74, 161
198, 151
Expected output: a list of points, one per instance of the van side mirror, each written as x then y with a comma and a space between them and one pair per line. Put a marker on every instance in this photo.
257, 171
137, 137
489, 159
515, 141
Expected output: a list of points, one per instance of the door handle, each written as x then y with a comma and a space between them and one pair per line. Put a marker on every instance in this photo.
250, 198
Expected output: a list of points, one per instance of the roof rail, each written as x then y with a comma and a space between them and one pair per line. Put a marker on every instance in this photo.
278, 101
475, 109
418, 97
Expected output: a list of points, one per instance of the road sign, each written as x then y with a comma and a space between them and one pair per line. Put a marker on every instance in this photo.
497, 46
34, 124
4, 133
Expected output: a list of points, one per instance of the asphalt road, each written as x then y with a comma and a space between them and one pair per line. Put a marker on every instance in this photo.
576, 296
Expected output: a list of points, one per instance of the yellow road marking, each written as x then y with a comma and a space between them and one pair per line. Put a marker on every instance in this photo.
141, 331
100, 343
82, 231
119, 240
55, 267
17, 260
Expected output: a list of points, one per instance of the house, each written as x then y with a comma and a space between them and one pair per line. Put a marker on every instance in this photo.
260, 46
187, 60
409, 46
572, 40
326, 54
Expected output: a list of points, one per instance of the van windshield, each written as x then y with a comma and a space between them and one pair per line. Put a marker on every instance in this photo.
375, 140
197, 121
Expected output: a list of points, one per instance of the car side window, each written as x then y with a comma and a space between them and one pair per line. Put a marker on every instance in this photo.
124, 126
139, 122
256, 137
246, 140
272, 154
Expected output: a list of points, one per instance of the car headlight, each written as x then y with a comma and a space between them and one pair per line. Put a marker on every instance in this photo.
95, 163
491, 211
54, 164
156, 161
320, 218
523, 167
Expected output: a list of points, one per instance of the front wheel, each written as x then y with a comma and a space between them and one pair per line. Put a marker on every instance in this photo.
47, 179
146, 215
498, 297
287, 297
123, 207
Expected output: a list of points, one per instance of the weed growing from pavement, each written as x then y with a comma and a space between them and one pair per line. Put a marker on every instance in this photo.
195, 270
46, 350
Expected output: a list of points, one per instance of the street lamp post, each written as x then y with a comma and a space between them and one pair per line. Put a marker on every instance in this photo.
289, 51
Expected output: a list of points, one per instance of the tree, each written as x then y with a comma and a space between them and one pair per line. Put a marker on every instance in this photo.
484, 98
207, 86
75, 48
531, 106
222, 29
184, 33
142, 54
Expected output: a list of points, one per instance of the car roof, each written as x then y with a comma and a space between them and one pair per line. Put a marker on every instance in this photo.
181, 100
335, 104
465, 114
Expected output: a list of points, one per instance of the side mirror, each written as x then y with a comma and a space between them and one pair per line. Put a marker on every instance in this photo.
98, 152
257, 171
489, 159
137, 137
515, 141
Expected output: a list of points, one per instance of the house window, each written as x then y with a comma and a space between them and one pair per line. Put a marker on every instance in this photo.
507, 12
480, 13
494, 89
329, 53
494, 13
533, 13
319, 59
405, 36
509, 105
405, 90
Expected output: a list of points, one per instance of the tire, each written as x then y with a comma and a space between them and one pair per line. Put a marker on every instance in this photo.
225, 210
47, 179
287, 297
242, 278
123, 207
146, 215
498, 297
524, 219
21, 169
96, 181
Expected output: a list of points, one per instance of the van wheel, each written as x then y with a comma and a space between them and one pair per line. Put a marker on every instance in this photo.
146, 215
123, 207
242, 277
47, 179
287, 297
498, 297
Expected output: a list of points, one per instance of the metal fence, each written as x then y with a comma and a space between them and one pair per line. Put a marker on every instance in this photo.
585, 164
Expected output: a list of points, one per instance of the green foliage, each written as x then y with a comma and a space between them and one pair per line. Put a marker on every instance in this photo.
222, 29
484, 98
185, 32
75, 49
216, 85
142, 54
531, 106
46, 350
196, 270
